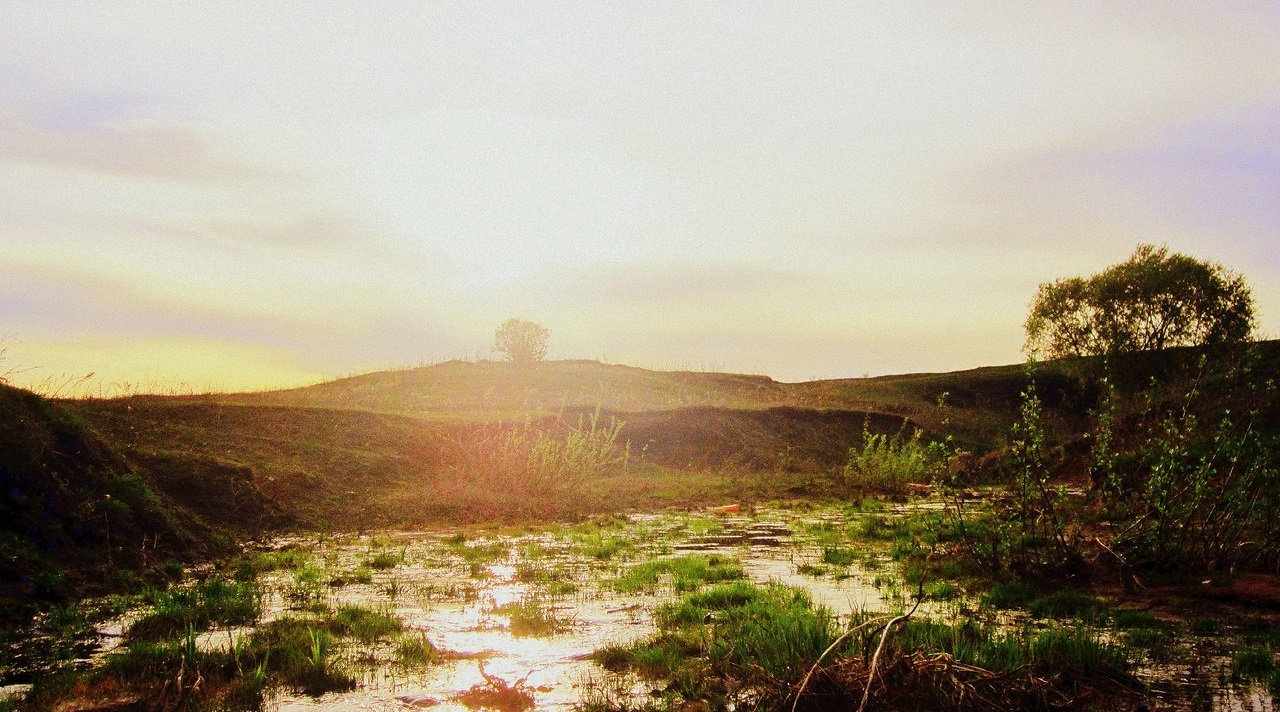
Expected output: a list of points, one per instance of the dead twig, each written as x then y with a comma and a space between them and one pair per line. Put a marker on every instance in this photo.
849, 630
884, 636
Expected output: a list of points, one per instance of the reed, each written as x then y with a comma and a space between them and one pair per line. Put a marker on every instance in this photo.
681, 573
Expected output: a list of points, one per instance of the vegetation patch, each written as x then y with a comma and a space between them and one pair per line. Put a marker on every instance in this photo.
363, 623
1065, 602
838, 556
681, 573
889, 464
531, 617
214, 601
741, 644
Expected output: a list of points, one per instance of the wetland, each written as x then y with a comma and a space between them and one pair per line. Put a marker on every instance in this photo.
729, 608
989, 540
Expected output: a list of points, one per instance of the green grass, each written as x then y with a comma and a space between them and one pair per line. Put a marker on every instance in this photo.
214, 601
531, 617
294, 652
780, 631
416, 650
1155, 640
383, 560
681, 573
288, 559
942, 591
301, 653
1206, 626
767, 638
1252, 663
823, 533
1080, 650
1063, 603
309, 589
811, 570
838, 556
1009, 594
366, 624
1126, 620
696, 607
735, 630
480, 553
878, 528
601, 546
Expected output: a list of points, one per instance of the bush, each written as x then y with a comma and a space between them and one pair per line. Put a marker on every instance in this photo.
1031, 534
214, 601
888, 464
1190, 478
535, 465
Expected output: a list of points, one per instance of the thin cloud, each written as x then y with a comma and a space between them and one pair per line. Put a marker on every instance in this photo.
785, 190
132, 149
664, 284
54, 299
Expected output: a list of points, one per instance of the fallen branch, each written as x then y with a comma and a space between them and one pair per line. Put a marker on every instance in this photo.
849, 630
884, 636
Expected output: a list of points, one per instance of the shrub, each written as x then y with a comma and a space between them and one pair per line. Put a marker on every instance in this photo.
887, 464
1063, 603
215, 600
536, 464
1190, 478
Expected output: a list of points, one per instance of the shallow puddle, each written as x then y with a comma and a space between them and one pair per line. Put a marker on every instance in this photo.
447, 589
517, 616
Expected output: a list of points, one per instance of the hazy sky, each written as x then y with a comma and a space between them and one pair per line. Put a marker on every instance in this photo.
243, 195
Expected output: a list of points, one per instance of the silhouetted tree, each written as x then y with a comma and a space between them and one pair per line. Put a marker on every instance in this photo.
521, 341
1154, 300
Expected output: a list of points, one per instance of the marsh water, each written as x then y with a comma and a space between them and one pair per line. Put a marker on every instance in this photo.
520, 612
462, 593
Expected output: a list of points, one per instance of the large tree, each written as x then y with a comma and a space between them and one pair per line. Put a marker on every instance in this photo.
521, 341
1156, 299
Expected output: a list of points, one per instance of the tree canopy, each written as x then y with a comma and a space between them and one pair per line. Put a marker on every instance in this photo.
1154, 300
521, 341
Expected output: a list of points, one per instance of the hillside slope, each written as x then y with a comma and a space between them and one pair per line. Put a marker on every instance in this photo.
488, 388
979, 403
382, 450
74, 513
321, 467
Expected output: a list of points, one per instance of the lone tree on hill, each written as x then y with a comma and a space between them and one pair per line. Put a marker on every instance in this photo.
1154, 300
521, 341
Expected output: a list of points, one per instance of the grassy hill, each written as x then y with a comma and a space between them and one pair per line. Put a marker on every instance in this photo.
490, 389
75, 513
979, 402
371, 450
96, 486
382, 449
324, 467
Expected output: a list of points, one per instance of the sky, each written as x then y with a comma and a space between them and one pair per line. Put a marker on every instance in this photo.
249, 195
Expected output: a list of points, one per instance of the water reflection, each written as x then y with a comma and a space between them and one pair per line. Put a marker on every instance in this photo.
551, 668
468, 597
